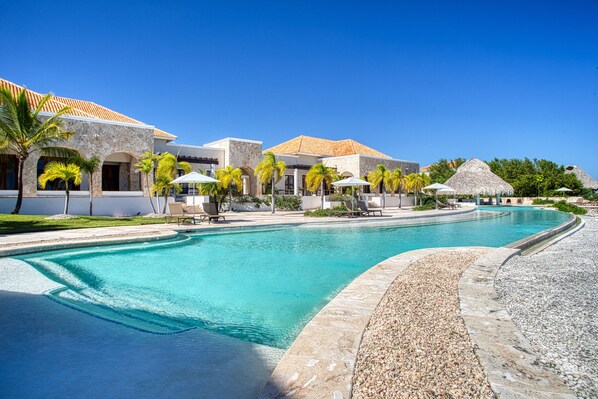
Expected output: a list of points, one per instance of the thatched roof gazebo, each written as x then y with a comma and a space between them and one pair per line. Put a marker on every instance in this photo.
585, 179
474, 177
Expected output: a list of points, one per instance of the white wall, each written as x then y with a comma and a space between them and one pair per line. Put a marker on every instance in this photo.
105, 206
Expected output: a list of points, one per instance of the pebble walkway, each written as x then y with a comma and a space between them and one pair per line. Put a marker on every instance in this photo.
552, 297
416, 345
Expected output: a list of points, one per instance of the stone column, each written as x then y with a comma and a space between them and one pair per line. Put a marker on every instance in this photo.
97, 181
295, 181
124, 177
246, 188
30, 176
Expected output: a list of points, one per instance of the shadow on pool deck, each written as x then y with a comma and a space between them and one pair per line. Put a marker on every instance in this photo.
49, 350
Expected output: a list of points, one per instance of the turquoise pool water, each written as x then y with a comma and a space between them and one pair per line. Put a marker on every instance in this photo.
257, 285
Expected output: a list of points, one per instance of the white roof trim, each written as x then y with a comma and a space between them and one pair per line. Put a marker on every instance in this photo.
233, 139
372, 157
97, 120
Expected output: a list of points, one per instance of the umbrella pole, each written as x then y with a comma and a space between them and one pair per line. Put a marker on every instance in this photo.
193, 205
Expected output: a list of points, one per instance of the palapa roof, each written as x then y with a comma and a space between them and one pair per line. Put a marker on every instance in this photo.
587, 180
80, 108
324, 147
474, 177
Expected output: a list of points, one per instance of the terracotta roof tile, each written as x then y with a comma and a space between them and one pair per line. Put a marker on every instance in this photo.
81, 108
324, 147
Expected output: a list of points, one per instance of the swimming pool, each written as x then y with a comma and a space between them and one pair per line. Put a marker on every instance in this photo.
259, 285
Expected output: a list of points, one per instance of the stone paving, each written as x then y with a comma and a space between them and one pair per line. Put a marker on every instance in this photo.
553, 298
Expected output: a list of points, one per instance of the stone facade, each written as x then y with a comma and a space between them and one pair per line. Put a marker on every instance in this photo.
100, 139
244, 154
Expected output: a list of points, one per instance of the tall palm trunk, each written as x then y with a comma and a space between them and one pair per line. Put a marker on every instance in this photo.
400, 197
19, 186
165, 202
322, 191
66, 200
273, 199
90, 179
383, 196
149, 194
230, 198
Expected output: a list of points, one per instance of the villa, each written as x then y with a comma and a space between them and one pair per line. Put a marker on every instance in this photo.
119, 141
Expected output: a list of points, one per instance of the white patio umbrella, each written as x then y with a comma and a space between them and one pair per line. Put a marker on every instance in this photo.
194, 178
563, 190
351, 182
437, 187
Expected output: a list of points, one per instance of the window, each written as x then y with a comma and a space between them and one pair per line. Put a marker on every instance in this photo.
8, 172
289, 184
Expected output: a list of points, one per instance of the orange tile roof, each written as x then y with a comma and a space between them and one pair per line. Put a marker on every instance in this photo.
324, 147
82, 108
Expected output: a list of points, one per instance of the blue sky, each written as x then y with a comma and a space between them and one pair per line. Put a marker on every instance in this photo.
416, 80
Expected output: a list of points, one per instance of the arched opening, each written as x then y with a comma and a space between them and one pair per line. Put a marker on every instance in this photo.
119, 173
58, 184
8, 171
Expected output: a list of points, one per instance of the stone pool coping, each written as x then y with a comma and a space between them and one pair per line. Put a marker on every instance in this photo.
321, 360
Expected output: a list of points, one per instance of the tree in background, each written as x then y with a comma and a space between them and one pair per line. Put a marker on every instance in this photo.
396, 182
166, 171
270, 171
380, 178
22, 132
145, 166
539, 177
319, 176
229, 176
444, 169
415, 182
89, 166
67, 173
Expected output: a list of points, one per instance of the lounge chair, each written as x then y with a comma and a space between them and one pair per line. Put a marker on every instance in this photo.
210, 212
351, 211
177, 212
452, 203
442, 205
368, 211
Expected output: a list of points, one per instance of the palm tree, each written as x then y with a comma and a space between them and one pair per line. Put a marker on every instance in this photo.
89, 166
22, 132
228, 177
396, 182
146, 165
59, 171
318, 176
269, 170
167, 169
415, 182
381, 176
163, 187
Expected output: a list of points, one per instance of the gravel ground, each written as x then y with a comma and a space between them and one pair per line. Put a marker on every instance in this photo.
552, 297
416, 345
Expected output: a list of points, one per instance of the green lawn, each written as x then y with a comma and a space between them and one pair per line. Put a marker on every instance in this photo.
11, 224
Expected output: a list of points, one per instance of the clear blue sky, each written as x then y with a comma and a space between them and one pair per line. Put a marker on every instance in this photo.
416, 80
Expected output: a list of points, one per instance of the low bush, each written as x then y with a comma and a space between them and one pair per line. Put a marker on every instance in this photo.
591, 197
426, 207
339, 197
319, 213
285, 202
564, 206
542, 201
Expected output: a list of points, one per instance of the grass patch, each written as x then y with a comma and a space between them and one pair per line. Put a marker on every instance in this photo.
320, 213
12, 224
425, 207
541, 201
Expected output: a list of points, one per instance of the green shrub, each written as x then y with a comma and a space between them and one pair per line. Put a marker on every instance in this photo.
540, 201
591, 197
564, 206
285, 202
425, 207
339, 197
319, 213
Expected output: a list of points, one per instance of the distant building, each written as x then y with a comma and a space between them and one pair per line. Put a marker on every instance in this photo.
587, 180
